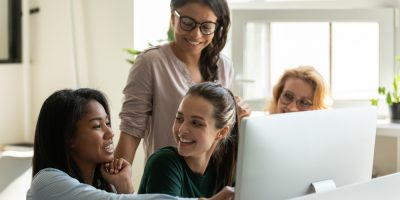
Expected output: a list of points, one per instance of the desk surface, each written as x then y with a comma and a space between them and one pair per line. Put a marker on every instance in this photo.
386, 128
384, 187
22, 150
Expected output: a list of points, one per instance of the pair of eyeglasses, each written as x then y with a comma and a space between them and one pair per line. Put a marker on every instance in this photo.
188, 24
288, 97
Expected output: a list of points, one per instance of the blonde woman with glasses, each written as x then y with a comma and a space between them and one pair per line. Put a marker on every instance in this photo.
299, 89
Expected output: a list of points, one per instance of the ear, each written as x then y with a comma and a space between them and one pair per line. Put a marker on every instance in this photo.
222, 132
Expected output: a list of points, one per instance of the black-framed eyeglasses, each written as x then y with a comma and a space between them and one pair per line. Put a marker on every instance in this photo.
288, 97
188, 24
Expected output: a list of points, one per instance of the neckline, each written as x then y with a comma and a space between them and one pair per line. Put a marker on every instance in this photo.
181, 66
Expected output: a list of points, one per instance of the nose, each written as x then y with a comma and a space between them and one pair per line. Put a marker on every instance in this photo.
196, 32
292, 107
108, 133
183, 129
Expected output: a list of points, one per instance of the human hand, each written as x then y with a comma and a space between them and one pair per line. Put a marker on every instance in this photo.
243, 109
118, 172
227, 193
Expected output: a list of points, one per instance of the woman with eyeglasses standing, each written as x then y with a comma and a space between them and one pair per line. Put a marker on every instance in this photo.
162, 75
299, 89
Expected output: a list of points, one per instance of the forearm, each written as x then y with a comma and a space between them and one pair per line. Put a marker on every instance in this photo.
124, 186
127, 146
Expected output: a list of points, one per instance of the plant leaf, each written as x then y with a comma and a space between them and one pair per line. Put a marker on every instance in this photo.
130, 61
389, 99
397, 58
382, 90
132, 51
374, 102
170, 34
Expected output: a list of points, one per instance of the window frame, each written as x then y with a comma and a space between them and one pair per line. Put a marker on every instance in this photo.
383, 16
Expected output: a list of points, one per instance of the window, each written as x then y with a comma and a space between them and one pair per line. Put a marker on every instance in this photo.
352, 49
150, 22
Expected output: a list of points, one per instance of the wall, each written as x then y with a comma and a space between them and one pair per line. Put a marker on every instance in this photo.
51, 52
3, 28
11, 92
67, 44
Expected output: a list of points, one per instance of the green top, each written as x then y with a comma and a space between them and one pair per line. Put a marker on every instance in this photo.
167, 172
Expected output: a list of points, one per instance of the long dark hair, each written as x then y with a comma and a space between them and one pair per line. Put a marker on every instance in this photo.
56, 124
225, 155
210, 55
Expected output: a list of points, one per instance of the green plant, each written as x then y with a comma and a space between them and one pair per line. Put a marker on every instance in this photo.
133, 52
392, 96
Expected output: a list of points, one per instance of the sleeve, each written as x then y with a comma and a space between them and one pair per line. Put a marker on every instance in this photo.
226, 71
52, 184
163, 173
138, 93
230, 72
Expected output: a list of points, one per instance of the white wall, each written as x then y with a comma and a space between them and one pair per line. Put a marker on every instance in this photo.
71, 43
11, 96
51, 52
3, 28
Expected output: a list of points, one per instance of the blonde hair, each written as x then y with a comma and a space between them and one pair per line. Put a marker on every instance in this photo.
307, 74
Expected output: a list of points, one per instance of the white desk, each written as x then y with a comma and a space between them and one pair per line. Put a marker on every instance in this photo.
387, 148
384, 187
385, 128
15, 171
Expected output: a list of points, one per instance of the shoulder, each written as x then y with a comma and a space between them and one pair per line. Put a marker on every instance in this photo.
224, 61
158, 52
154, 59
225, 71
50, 174
167, 155
49, 181
225, 65
165, 161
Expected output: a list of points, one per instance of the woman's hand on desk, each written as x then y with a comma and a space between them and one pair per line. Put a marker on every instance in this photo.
228, 193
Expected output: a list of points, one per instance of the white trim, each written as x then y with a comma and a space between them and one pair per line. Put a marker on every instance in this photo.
384, 16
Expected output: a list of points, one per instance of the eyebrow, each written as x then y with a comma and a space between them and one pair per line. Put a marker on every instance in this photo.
194, 116
98, 118
207, 20
292, 93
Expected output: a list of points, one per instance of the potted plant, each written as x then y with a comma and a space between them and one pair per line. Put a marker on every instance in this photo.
392, 97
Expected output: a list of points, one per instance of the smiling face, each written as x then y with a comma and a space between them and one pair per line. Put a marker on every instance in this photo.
297, 95
92, 142
194, 41
194, 128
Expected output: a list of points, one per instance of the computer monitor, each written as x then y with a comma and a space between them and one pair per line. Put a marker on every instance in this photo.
281, 155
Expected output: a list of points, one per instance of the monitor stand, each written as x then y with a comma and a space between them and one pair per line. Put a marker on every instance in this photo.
323, 186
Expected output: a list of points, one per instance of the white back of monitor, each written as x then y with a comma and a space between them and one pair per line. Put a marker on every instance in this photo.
280, 155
